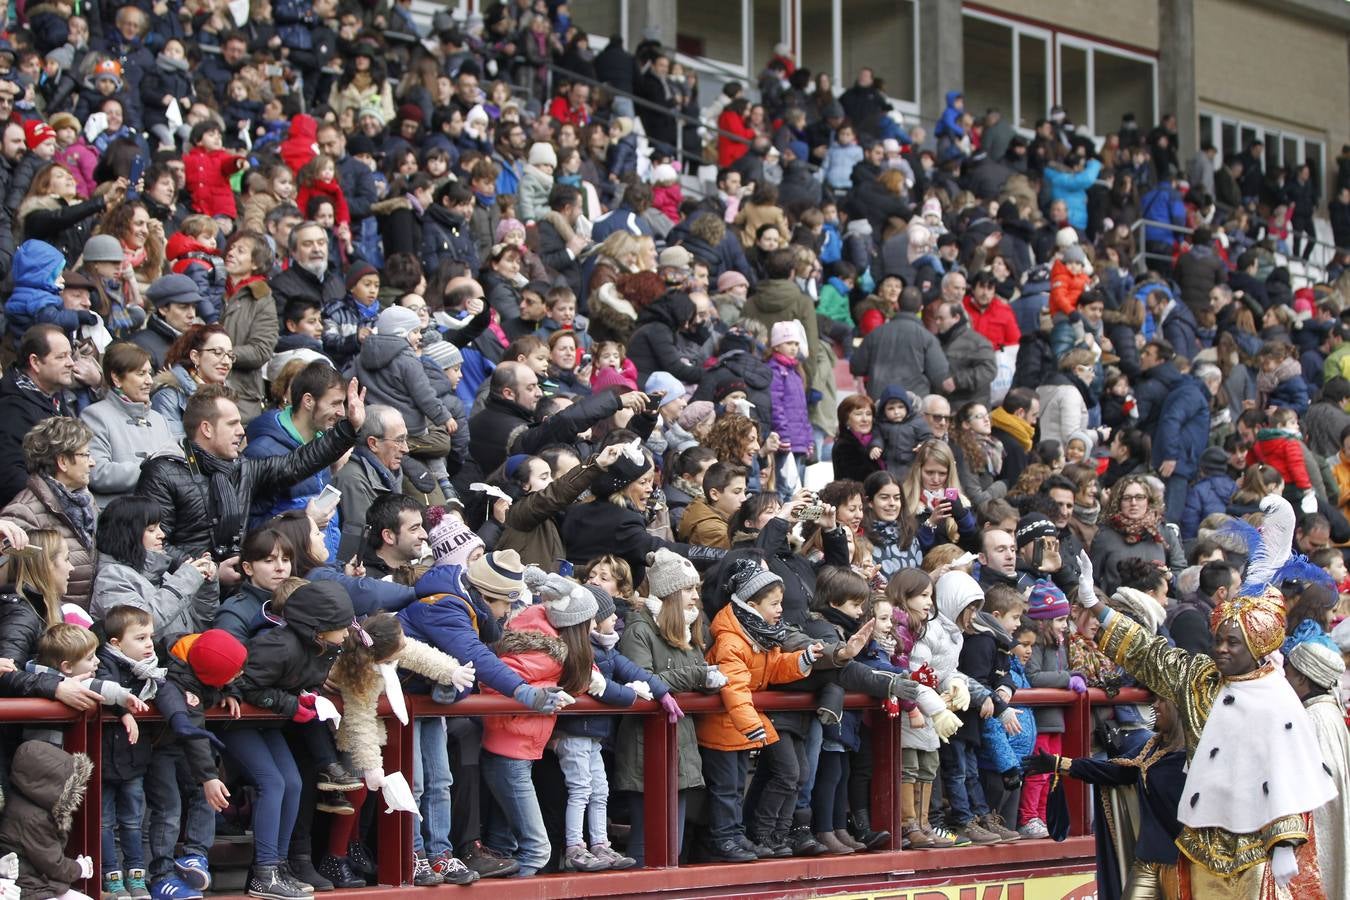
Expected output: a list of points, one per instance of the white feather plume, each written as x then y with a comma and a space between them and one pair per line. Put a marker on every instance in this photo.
1277, 540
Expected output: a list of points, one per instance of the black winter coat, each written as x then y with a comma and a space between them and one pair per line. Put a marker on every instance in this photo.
297, 283
122, 760
20, 410
283, 662
183, 491
504, 427
159, 84
656, 346
851, 462
22, 623
197, 751
599, 527
445, 237
740, 364
64, 225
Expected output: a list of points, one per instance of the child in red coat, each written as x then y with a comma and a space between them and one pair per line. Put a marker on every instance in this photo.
1280, 447
209, 168
319, 179
1069, 277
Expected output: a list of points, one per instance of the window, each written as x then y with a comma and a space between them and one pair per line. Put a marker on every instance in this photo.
716, 29
818, 38
1007, 64
767, 19
600, 18
882, 35
1282, 147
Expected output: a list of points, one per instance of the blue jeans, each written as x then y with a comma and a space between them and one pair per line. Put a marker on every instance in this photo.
263, 756
431, 786
961, 782
637, 835
583, 770
124, 808
509, 781
163, 796
815, 736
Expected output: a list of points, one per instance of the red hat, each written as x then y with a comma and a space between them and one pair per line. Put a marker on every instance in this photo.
35, 132
216, 656
411, 112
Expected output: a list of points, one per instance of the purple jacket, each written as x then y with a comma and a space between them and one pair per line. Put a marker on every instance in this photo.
791, 419
81, 159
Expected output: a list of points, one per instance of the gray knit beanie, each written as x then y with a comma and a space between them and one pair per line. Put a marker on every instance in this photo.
668, 573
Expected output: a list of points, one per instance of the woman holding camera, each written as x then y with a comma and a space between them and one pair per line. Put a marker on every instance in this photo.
933, 495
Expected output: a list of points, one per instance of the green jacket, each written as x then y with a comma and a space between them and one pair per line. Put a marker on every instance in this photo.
683, 670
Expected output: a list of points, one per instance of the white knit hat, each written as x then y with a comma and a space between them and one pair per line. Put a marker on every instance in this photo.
542, 154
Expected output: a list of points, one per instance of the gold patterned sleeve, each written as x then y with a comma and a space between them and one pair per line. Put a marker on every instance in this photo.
1167, 671
1289, 829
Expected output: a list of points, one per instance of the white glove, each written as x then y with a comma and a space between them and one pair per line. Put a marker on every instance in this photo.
87, 866
96, 124
9, 866
9, 890
1087, 594
960, 695
1308, 504
945, 723
374, 779
597, 683
463, 677
641, 688
1283, 865
714, 680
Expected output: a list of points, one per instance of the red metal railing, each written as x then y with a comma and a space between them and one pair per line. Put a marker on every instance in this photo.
661, 759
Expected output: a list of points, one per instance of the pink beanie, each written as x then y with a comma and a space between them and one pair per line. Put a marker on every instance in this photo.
451, 540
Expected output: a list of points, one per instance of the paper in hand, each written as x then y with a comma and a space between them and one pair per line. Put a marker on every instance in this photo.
398, 797
394, 691
326, 711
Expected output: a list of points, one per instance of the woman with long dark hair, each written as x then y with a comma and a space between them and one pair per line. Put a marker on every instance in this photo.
134, 570
53, 211
889, 526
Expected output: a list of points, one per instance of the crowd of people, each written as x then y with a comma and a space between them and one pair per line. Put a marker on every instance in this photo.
351, 360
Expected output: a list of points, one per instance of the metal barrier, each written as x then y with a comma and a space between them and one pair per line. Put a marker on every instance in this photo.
1300, 267
83, 733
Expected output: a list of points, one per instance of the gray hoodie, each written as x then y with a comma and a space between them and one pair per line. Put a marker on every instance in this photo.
392, 375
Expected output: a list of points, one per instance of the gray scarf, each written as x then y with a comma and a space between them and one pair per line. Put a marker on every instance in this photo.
148, 670
78, 506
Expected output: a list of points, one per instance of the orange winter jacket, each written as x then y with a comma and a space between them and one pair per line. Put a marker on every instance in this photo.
1065, 288
748, 668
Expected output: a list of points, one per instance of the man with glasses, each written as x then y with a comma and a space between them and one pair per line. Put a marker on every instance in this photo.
205, 490
376, 466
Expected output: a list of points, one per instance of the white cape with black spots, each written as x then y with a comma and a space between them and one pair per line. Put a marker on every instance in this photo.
1257, 761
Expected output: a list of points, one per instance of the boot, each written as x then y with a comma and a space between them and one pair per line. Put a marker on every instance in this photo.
301, 868
778, 843
338, 869
800, 839
268, 883
860, 826
757, 844
833, 846
940, 837
830, 704
847, 840
917, 837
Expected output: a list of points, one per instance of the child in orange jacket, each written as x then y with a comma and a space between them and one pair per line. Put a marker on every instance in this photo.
1069, 277
748, 635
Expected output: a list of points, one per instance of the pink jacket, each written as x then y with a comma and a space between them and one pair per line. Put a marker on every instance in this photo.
668, 198
81, 159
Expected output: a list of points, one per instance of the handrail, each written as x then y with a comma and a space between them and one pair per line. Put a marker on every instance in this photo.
1142, 254
83, 733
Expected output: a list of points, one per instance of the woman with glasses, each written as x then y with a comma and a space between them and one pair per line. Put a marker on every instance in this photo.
249, 319
1131, 528
126, 431
56, 497
204, 354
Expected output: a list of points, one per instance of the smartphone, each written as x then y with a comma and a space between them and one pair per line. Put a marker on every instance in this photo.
952, 495
654, 400
328, 498
585, 360
135, 176
1038, 554
352, 542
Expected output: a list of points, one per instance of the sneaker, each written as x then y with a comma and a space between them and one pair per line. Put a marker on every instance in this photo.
488, 863
333, 802
994, 822
452, 871
730, 851
422, 874
578, 859
761, 849
944, 838
271, 883
611, 857
194, 871
114, 888
135, 883
976, 834
1034, 830
173, 888
333, 777
338, 870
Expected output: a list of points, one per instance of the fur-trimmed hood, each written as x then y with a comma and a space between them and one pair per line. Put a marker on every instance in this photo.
392, 204
530, 632
556, 219
51, 779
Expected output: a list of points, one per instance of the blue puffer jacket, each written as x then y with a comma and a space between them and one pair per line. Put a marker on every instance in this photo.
839, 163
36, 297
369, 595
450, 618
949, 125
271, 434
294, 19
1183, 427
998, 750
618, 670
1071, 187
1162, 204
1208, 495
1292, 393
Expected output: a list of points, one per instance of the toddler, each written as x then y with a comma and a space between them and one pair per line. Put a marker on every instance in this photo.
193, 251
902, 428
613, 355
209, 168
790, 416
1280, 446
46, 787
1010, 737
318, 178
349, 321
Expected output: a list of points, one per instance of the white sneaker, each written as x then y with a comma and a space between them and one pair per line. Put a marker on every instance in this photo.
1034, 829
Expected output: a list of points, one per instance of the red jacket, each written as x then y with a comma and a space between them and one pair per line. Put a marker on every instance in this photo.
208, 180
728, 150
997, 322
300, 145
330, 189
1283, 453
1065, 288
180, 245
533, 650
563, 111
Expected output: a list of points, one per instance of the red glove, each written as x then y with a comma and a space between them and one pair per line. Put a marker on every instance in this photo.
307, 699
304, 714
892, 707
